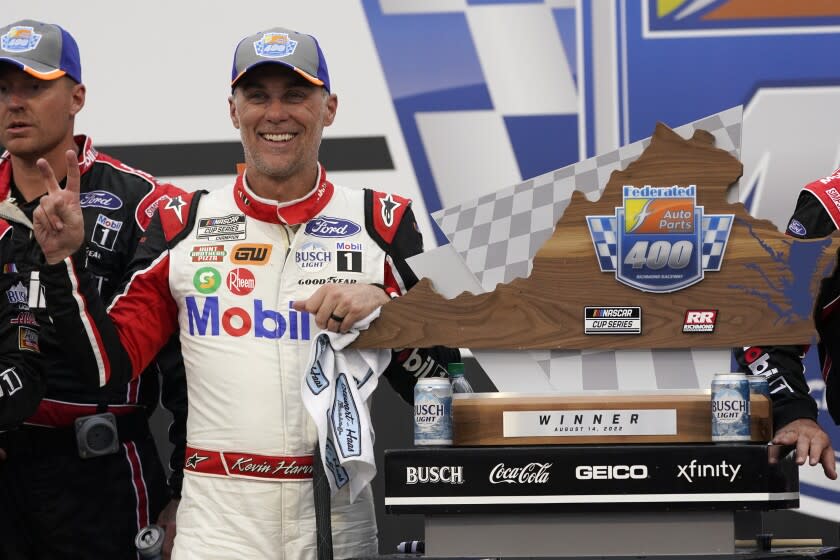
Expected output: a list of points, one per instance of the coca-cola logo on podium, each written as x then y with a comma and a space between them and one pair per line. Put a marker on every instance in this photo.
532, 473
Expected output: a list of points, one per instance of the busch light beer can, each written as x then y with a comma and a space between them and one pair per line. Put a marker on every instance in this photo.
730, 407
759, 385
432, 411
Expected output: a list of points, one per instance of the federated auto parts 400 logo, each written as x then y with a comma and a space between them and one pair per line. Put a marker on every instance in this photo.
660, 240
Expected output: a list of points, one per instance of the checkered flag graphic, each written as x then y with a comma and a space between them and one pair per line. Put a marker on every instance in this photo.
499, 234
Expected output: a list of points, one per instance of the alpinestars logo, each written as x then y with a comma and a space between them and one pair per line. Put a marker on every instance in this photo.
176, 204
195, 459
389, 205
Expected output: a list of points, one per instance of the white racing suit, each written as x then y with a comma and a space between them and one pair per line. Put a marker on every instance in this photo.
224, 269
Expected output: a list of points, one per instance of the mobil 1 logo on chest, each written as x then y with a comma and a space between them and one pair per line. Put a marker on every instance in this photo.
105, 232
348, 256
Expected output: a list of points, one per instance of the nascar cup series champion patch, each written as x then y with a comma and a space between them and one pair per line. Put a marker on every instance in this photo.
660, 240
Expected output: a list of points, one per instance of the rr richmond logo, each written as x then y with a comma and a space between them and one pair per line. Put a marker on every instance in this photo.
433, 475
700, 320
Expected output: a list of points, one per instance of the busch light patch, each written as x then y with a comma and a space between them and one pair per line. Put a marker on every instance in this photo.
20, 39
346, 424
325, 226
660, 240
100, 199
312, 256
275, 45
17, 294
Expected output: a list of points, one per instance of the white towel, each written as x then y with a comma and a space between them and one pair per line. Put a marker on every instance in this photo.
335, 388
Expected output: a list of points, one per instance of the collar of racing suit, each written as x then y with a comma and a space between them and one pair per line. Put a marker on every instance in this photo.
289, 213
87, 156
8, 209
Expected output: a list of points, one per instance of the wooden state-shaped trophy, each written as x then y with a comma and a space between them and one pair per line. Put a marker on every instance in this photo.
605, 296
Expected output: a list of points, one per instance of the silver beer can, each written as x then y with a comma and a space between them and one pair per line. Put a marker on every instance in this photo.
433, 411
730, 407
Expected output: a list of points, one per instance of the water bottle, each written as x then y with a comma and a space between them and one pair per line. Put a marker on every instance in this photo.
149, 542
456, 378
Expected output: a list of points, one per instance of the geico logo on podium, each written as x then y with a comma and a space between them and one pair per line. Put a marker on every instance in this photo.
433, 475
532, 473
611, 472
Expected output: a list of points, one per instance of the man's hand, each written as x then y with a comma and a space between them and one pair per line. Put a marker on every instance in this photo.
337, 307
57, 222
2, 454
166, 520
811, 442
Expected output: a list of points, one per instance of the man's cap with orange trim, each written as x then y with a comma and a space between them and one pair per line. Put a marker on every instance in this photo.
43, 50
297, 51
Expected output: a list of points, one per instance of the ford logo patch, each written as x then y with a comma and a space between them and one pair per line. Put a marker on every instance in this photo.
100, 199
796, 228
324, 226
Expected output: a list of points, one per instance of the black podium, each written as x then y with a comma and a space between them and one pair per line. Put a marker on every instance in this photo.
587, 500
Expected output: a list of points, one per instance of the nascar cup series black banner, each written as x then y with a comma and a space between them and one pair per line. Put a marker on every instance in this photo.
590, 478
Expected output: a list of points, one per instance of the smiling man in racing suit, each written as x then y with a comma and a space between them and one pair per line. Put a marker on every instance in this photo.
794, 411
248, 275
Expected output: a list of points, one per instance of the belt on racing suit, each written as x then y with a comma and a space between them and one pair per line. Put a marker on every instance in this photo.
248, 465
41, 440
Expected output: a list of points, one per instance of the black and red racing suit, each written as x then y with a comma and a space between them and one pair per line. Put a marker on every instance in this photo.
817, 214
60, 505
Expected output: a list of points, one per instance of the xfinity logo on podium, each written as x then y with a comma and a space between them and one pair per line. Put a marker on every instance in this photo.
433, 475
532, 473
611, 472
695, 470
